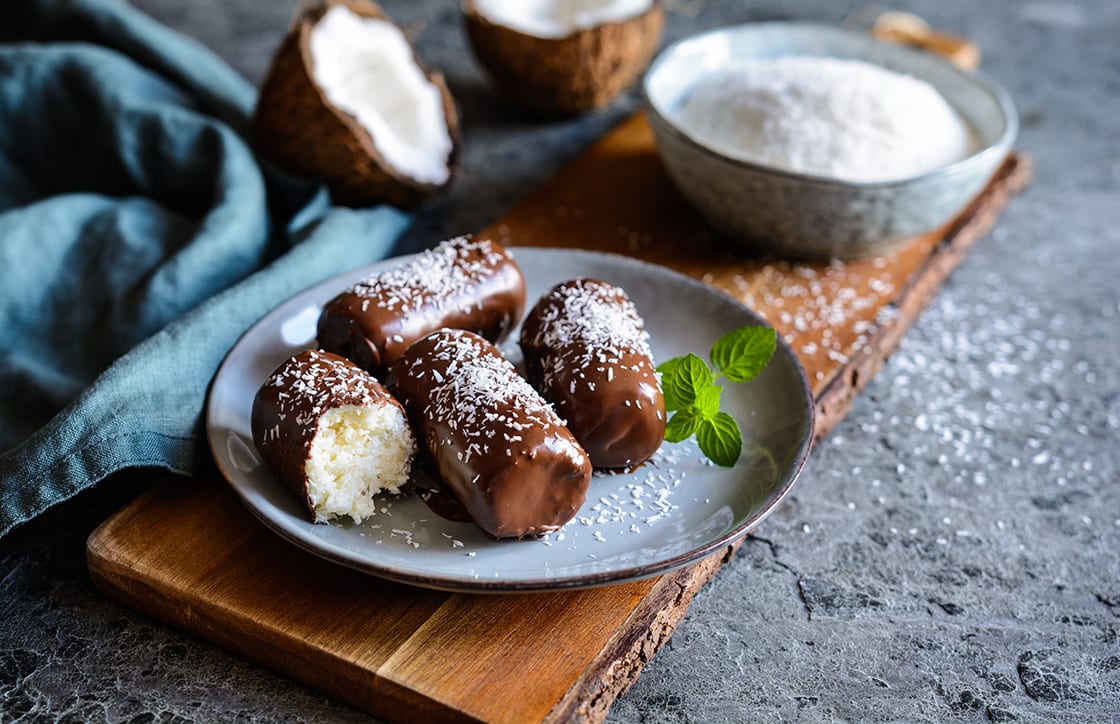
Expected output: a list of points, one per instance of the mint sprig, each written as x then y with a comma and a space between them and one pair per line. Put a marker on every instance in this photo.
692, 395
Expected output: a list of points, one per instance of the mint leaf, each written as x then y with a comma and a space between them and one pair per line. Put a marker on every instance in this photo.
691, 393
707, 401
669, 365
720, 439
741, 354
682, 425
684, 379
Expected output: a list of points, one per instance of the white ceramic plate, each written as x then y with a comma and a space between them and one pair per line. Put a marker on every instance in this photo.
673, 510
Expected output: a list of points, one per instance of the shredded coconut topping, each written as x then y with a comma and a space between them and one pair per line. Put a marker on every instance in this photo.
471, 377
305, 390
440, 278
594, 326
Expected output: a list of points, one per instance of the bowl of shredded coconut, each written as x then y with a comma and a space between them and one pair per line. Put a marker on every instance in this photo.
811, 141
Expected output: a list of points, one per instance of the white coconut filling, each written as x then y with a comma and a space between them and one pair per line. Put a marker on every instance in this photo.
365, 68
558, 18
356, 453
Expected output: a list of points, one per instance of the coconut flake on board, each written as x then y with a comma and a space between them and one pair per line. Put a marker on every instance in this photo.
365, 67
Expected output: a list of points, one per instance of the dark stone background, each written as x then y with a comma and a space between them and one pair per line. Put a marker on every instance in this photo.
951, 552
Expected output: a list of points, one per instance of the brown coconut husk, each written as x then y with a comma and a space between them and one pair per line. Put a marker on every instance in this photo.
573, 74
298, 129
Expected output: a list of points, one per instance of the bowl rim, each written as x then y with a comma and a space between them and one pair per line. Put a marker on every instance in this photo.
1000, 147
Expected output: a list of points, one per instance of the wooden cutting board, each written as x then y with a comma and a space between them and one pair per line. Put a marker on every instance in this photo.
188, 553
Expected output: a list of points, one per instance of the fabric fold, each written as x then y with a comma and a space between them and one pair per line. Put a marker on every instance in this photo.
140, 235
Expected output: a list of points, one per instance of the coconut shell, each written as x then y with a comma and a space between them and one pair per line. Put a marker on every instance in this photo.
576, 73
297, 128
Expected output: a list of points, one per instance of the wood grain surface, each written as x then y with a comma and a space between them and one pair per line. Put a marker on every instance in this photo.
188, 553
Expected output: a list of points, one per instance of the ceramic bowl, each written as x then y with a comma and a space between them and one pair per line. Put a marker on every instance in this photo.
803, 215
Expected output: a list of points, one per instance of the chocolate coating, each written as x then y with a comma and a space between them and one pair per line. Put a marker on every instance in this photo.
288, 406
496, 446
587, 353
463, 283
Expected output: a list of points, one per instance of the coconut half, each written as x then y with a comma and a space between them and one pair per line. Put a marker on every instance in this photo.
347, 100
564, 56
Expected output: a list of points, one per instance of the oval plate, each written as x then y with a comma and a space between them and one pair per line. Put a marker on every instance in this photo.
669, 512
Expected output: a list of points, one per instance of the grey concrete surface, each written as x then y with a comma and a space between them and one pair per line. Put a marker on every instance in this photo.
952, 552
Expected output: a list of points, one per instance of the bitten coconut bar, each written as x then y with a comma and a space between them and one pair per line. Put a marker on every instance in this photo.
333, 434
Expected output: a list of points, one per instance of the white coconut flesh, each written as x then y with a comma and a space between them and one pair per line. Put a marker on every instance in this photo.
558, 18
357, 452
365, 68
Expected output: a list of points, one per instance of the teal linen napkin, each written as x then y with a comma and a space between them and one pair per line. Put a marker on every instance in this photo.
139, 237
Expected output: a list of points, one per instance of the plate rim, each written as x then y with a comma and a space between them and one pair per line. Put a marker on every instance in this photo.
571, 582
